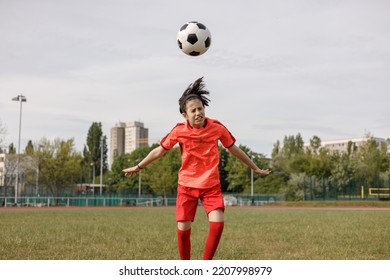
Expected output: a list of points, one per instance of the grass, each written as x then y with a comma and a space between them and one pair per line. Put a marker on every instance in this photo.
271, 233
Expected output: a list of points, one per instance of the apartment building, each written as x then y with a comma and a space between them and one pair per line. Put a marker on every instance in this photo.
126, 137
342, 145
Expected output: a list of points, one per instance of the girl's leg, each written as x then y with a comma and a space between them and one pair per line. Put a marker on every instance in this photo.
216, 225
184, 239
216, 215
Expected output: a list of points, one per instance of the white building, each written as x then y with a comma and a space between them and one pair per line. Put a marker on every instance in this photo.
342, 145
135, 136
126, 137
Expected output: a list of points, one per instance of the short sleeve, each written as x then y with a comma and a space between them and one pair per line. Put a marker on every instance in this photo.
170, 140
226, 138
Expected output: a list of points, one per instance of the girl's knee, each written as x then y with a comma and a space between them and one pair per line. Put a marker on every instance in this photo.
216, 215
184, 225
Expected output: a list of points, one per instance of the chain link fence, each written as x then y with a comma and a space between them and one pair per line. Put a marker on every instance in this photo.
113, 200
327, 189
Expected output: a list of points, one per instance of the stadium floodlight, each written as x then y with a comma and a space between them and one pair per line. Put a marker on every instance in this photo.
20, 98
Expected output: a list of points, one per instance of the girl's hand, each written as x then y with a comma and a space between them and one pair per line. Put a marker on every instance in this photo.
131, 170
262, 171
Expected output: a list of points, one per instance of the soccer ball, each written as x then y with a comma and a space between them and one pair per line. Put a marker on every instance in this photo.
194, 38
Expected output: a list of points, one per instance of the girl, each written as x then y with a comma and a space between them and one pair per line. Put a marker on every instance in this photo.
198, 138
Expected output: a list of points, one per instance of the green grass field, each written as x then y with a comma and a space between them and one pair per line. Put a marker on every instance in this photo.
269, 233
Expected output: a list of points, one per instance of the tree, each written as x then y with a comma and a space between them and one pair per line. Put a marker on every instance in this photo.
264, 184
11, 149
162, 175
294, 190
293, 145
60, 165
321, 164
223, 159
287, 159
276, 150
370, 161
271, 184
118, 183
29, 150
3, 132
315, 144
290, 157
10, 172
92, 149
342, 172
128, 185
238, 173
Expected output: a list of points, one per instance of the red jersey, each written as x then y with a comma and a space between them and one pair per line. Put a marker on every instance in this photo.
199, 152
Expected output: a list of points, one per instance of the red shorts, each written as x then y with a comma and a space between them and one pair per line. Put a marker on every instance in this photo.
187, 201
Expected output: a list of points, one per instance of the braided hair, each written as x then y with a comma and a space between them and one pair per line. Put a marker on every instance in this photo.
196, 90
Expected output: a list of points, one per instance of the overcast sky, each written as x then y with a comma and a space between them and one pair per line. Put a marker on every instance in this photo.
274, 68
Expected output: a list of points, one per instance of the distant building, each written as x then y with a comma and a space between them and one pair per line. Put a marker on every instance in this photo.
23, 166
135, 136
342, 145
117, 141
126, 137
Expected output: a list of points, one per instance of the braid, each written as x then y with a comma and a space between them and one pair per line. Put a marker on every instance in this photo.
195, 90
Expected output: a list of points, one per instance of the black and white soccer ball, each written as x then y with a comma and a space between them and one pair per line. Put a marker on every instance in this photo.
194, 38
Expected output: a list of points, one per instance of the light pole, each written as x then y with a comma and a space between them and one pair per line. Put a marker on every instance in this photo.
252, 183
93, 176
37, 179
38, 161
252, 198
21, 99
139, 183
101, 165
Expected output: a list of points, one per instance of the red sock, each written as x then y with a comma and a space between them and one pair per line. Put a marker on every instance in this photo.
213, 238
184, 243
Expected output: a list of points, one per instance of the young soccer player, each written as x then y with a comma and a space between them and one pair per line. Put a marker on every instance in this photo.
198, 139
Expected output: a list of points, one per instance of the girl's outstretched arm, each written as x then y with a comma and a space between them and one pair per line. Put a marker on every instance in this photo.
238, 153
154, 154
